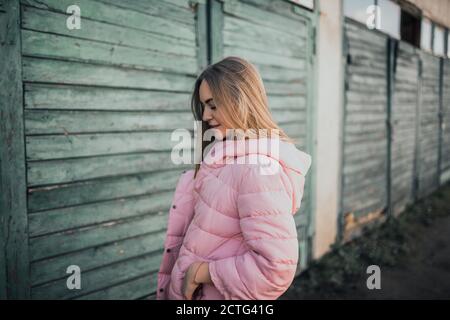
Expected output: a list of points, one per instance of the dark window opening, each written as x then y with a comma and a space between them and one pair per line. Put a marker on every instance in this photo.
410, 28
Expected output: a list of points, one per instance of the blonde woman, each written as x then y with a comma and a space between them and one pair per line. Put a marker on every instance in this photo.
231, 232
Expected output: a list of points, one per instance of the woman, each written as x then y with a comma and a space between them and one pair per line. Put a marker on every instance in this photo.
231, 232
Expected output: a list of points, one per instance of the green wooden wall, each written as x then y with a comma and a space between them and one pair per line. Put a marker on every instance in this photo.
93, 110
100, 104
396, 141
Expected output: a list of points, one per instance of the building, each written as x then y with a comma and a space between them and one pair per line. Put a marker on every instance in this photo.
90, 95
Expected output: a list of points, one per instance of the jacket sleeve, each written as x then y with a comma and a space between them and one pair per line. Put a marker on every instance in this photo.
180, 216
268, 268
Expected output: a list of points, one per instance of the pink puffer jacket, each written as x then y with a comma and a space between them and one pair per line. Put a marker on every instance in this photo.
239, 218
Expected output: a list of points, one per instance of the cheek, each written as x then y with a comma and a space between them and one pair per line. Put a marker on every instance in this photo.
218, 117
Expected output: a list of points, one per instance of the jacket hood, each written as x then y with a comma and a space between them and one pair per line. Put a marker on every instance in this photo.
293, 161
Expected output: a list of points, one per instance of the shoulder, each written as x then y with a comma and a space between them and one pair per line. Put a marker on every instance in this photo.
260, 173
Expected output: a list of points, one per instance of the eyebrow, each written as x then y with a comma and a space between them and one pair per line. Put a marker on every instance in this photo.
208, 100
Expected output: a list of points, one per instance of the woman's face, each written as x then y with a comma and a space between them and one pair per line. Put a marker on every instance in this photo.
210, 113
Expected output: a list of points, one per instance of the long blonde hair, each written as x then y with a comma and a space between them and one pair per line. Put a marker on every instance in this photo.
239, 94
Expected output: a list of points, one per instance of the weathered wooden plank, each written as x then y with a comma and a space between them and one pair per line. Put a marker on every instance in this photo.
366, 80
351, 190
52, 46
295, 129
362, 128
94, 257
357, 199
58, 220
404, 184
128, 290
364, 39
65, 242
273, 73
362, 166
285, 88
79, 169
289, 116
287, 102
358, 98
186, 4
362, 207
99, 11
367, 60
361, 44
367, 196
264, 58
241, 33
55, 23
45, 198
369, 91
14, 263
364, 70
150, 297
284, 9
403, 177
67, 72
72, 122
364, 151
361, 108
86, 145
264, 17
41, 96
361, 117
353, 187
100, 278
158, 8
358, 178
365, 139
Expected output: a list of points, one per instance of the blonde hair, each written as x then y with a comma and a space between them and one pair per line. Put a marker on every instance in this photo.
239, 94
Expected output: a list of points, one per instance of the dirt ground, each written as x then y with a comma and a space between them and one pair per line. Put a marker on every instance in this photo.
412, 251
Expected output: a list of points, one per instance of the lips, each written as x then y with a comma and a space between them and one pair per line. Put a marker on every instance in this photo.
211, 126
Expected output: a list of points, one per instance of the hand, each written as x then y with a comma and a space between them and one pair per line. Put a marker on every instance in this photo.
196, 274
189, 283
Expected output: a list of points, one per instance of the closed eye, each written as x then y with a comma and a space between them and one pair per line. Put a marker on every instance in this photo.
210, 104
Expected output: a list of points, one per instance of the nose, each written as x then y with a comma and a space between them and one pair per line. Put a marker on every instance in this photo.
207, 115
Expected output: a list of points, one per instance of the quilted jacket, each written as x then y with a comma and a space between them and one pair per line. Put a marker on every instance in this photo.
237, 215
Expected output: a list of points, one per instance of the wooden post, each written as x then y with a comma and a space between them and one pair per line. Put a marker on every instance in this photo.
417, 135
202, 35
440, 118
13, 207
391, 60
215, 26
